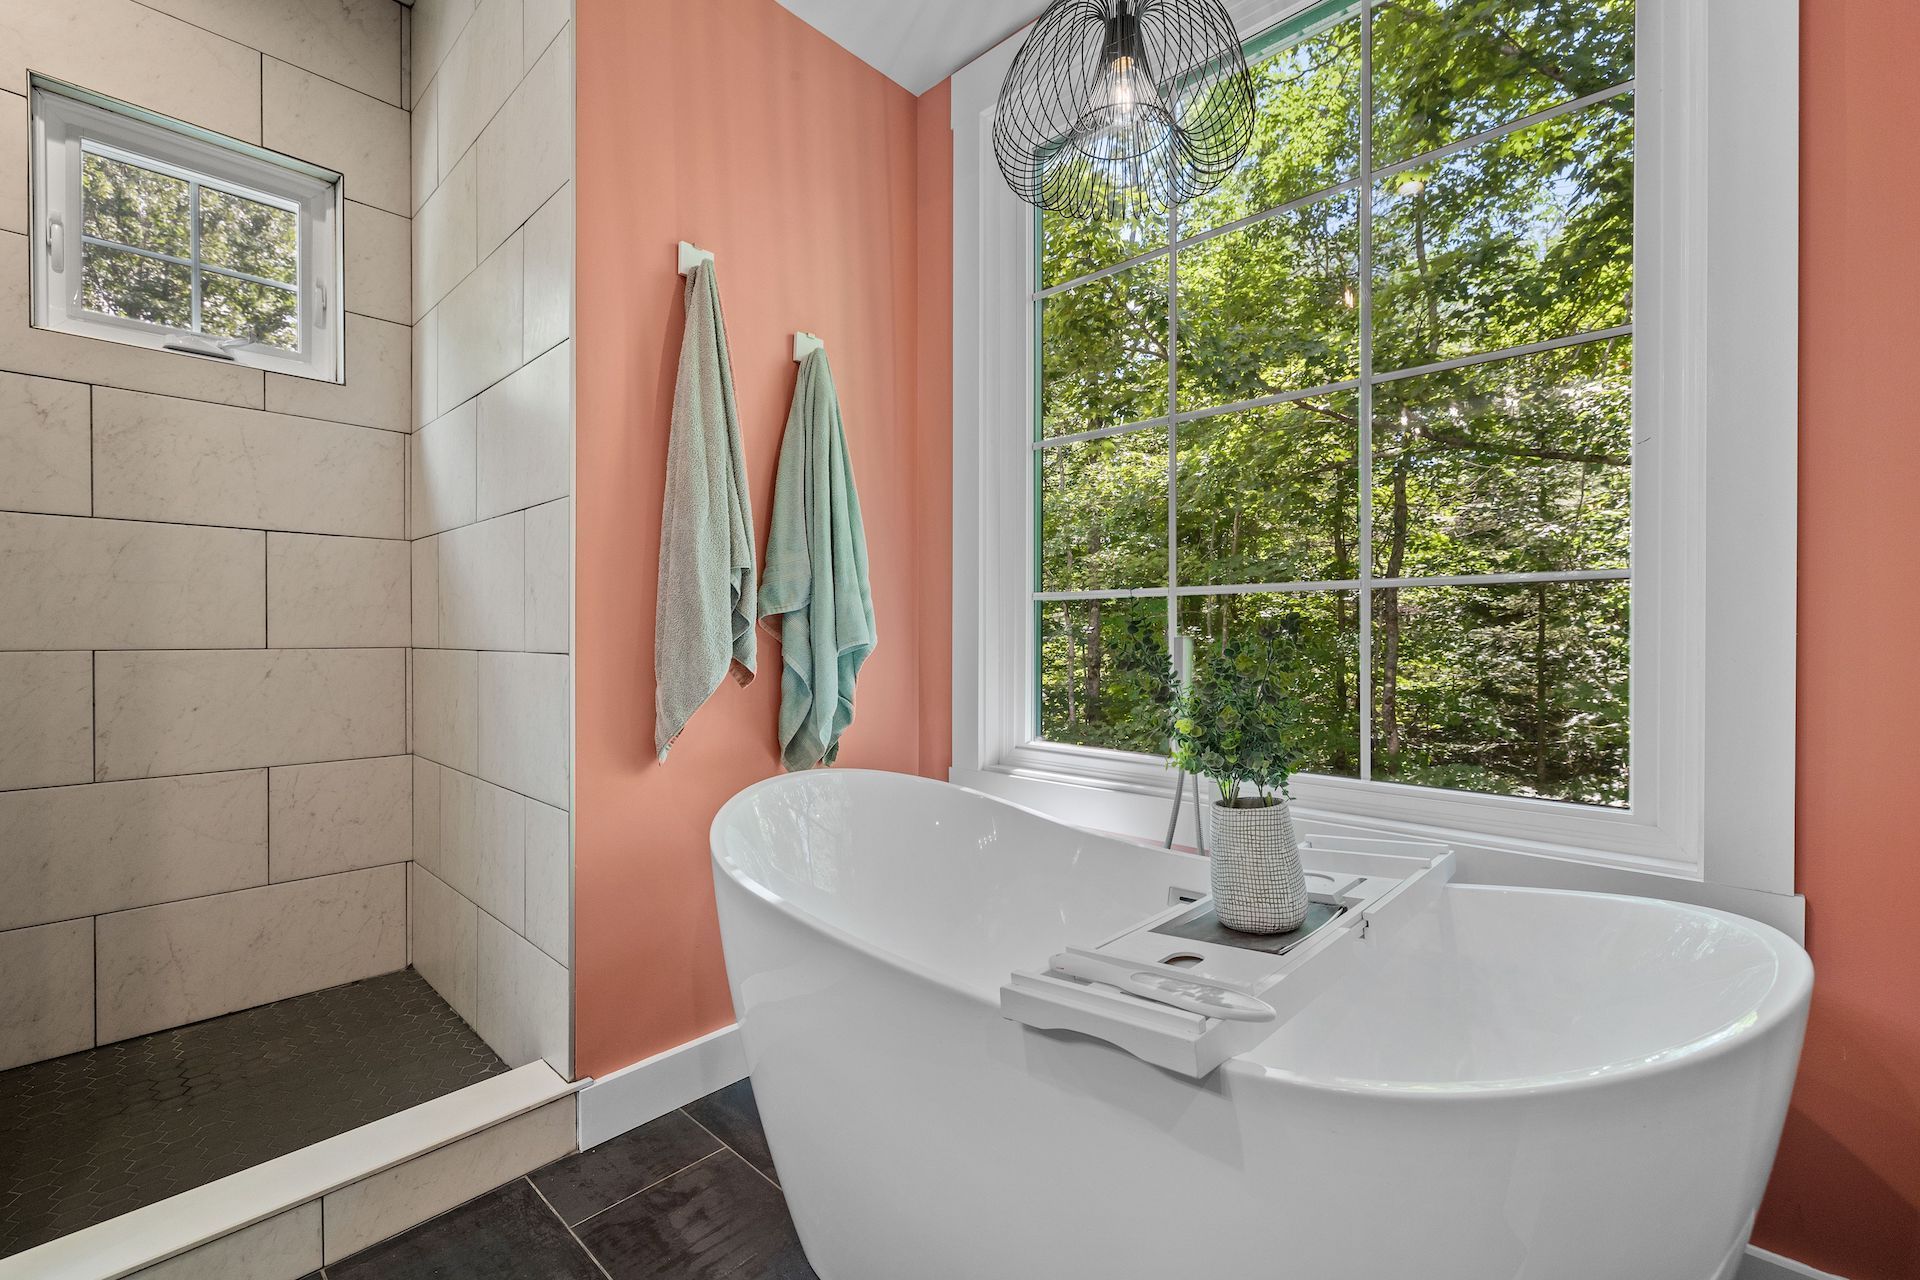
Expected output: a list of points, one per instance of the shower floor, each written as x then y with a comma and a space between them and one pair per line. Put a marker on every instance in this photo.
98, 1133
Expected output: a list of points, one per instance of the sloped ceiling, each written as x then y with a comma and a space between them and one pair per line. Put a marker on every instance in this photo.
916, 43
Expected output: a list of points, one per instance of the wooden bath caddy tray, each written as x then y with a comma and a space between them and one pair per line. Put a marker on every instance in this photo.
1182, 991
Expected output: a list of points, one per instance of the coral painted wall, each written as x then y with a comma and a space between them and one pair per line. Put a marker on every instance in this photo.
825, 191
1846, 1191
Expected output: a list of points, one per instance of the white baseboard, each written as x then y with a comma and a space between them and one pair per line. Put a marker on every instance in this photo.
1762, 1265
633, 1095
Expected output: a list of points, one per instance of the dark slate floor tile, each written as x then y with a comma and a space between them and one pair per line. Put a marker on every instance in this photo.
734, 1116
509, 1234
582, 1185
716, 1221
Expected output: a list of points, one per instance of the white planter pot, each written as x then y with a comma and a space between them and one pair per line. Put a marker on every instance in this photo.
1258, 886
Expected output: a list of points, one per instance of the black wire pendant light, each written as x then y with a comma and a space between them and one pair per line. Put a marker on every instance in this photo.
1114, 108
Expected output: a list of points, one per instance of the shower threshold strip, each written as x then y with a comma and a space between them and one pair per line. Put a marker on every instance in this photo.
206, 1214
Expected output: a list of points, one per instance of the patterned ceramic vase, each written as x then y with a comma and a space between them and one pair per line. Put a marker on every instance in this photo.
1258, 886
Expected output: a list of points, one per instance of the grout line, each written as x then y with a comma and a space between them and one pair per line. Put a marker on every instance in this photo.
723, 1142
723, 1150
565, 1226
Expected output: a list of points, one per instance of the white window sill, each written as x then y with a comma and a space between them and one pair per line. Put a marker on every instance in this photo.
1131, 797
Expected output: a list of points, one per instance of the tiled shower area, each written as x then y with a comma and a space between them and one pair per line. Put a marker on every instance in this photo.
284, 664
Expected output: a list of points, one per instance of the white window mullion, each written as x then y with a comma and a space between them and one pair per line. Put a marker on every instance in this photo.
1364, 646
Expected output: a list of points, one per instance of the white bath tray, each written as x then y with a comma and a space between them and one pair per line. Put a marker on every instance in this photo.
1182, 992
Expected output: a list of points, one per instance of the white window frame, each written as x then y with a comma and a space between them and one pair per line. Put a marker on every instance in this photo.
1716, 349
66, 118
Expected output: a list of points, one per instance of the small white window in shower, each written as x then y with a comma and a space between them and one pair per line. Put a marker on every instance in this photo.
157, 234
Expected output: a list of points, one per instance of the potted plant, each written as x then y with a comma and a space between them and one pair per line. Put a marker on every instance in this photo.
1235, 723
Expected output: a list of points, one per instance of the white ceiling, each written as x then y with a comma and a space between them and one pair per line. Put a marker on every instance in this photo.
916, 43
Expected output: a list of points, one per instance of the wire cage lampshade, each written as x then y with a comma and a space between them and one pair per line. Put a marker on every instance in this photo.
1115, 108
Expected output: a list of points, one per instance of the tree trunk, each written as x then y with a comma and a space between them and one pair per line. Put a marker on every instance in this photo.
1390, 617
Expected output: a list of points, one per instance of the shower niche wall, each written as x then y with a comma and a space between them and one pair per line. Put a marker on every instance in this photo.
244, 618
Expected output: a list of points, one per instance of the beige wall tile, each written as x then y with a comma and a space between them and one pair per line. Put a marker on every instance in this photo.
46, 1003
444, 237
548, 613
445, 941
526, 435
356, 42
326, 592
25, 349
540, 22
482, 846
441, 471
549, 881
549, 275
67, 852
341, 816
163, 713
523, 724
526, 153
343, 129
426, 592
283, 1247
388, 1203
483, 585
480, 72
379, 376
46, 443
425, 150
74, 583
436, 25
480, 326
129, 51
379, 264
426, 369
426, 809
523, 999
46, 704
158, 458
446, 707
14, 204
167, 965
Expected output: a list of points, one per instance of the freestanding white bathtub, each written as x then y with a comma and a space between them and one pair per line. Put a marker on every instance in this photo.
1524, 1085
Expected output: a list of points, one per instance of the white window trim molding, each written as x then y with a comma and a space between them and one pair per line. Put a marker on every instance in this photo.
63, 115
1717, 314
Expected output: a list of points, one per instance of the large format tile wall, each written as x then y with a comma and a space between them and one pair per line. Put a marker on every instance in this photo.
204, 574
489, 513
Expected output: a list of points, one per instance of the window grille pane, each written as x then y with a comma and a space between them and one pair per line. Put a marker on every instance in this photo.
1271, 307
1448, 69
117, 283
1103, 673
1271, 495
1321, 630
248, 236
1516, 466
1306, 130
135, 206
1104, 351
1103, 513
261, 313
1071, 248
1521, 239
1515, 690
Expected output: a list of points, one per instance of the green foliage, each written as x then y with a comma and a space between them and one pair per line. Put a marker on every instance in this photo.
141, 208
1237, 721
1518, 466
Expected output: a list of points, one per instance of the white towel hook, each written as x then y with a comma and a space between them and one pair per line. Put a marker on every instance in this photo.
691, 257
804, 345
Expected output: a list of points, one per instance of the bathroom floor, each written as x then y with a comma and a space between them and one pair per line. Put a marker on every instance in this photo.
95, 1134
691, 1196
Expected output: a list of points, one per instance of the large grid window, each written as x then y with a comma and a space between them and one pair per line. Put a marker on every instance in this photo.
1374, 395
153, 233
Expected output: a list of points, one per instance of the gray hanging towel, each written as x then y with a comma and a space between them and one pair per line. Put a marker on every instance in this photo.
704, 614
816, 583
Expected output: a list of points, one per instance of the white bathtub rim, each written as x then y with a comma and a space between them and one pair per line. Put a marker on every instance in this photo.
1787, 998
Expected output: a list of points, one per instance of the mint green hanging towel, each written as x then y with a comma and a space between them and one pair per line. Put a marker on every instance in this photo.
816, 574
